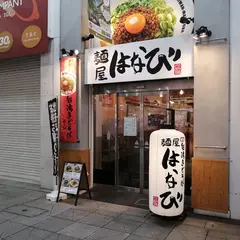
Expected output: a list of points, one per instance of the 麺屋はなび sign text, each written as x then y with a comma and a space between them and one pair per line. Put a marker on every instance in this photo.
140, 61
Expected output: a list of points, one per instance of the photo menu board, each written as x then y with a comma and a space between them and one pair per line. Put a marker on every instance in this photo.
71, 178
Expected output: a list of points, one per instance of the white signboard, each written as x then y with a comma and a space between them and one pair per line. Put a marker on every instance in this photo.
71, 178
130, 126
140, 61
167, 172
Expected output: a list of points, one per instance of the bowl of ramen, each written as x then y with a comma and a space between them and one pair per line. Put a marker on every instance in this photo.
68, 84
74, 183
69, 168
77, 169
139, 20
66, 183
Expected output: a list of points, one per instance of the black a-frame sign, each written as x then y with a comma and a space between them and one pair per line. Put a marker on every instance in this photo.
74, 178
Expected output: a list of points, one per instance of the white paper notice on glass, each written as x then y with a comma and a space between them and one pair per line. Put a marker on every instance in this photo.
130, 126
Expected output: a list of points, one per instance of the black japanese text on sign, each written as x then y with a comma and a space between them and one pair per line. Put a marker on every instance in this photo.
151, 61
170, 161
53, 116
67, 123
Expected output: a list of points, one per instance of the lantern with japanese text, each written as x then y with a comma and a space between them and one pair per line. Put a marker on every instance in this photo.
167, 172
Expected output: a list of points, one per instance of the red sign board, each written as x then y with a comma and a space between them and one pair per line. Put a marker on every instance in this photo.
23, 27
68, 102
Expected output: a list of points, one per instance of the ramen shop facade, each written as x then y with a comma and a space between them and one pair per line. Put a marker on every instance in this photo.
130, 101
131, 86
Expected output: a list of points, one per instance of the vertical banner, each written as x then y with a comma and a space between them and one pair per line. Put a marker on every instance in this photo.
53, 120
68, 107
167, 172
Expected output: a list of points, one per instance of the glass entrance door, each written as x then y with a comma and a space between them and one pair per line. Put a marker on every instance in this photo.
123, 124
155, 112
139, 114
129, 139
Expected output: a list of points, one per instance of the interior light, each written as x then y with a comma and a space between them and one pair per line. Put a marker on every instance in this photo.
171, 102
181, 92
161, 94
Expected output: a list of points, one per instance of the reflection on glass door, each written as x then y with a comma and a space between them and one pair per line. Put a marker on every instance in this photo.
104, 140
155, 106
128, 140
182, 101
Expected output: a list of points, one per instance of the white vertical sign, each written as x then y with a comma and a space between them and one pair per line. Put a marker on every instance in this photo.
167, 172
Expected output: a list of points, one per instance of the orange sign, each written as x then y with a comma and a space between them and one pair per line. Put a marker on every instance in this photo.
23, 27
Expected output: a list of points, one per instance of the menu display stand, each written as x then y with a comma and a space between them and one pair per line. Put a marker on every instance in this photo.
74, 178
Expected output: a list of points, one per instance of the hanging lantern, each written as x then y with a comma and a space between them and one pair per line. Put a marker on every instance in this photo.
167, 172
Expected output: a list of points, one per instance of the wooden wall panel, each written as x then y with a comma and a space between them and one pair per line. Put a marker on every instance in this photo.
210, 185
75, 155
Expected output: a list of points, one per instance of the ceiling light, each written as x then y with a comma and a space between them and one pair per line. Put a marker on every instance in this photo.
76, 52
64, 52
86, 38
202, 32
71, 53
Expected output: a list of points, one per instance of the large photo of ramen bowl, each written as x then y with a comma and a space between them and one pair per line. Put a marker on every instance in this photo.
139, 20
68, 84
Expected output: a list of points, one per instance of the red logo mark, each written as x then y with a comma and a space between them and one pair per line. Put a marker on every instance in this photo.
155, 201
177, 69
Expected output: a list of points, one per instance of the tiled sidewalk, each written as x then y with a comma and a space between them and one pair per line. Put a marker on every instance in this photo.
26, 215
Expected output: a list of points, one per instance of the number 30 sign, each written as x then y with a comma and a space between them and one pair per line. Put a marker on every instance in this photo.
6, 41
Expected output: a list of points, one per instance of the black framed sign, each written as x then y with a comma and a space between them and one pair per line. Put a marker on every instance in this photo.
74, 178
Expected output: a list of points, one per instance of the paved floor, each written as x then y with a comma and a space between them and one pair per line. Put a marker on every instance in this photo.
26, 215
122, 196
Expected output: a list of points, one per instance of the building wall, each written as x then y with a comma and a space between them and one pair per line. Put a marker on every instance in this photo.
72, 31
50, 88
211, 104
211, 80
235, 111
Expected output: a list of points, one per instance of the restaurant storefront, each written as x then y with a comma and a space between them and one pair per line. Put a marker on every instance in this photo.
125, 92
127, 111
139, 87
129, 103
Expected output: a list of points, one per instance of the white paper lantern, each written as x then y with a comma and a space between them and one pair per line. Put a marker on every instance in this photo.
167, 172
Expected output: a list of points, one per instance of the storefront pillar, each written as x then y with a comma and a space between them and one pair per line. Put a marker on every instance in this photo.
234, 196
210, 174
50, 88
